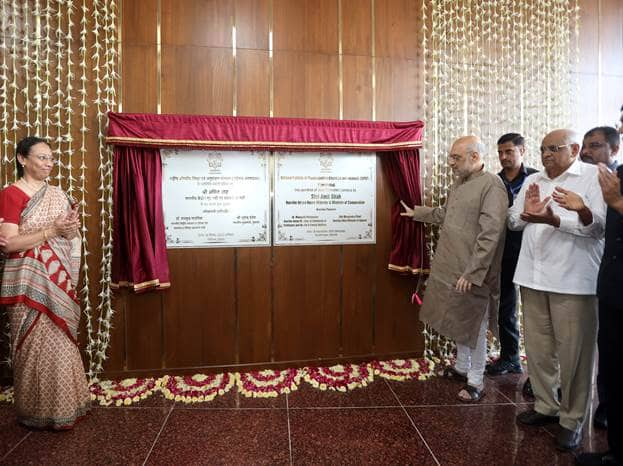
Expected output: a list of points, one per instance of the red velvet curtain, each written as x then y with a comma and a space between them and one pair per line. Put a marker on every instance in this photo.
139, 246
139, 249
408, 252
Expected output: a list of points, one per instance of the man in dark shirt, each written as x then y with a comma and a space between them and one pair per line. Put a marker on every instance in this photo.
609, 286
601, 145
511, 148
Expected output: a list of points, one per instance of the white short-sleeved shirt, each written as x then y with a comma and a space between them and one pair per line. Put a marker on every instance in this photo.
565, 259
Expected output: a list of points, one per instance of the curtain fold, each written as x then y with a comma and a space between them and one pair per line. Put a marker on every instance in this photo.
289, 134
139, 258
408, 253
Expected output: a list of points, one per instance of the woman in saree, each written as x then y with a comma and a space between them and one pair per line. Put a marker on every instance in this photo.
39, 279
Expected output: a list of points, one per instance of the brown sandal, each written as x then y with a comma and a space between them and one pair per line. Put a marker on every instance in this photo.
475, 394
449, 372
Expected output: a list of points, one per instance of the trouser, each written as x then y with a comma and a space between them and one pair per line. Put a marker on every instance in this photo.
610, 356
472, 361
560, 335
507, 315
601, 380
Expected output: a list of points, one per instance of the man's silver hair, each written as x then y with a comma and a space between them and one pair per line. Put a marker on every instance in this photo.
477, 147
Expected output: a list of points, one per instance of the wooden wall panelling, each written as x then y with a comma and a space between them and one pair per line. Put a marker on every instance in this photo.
611, 37
397, 24
358, 299
305, 85
396, 323
139, 21
205, 23
186, 306
197, 80
305, 25
399, 89
357, 27
254, 289
589, 36
253, 83
357, 89
200, 314
307, 285
588, 116
612, 99
144, 325
139, 81
252, 18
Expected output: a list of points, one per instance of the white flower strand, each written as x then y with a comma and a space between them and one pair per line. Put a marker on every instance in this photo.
26, 65
105, 310
13, 55
58, 106
45, 84
67, 137
37, 125
4, 99
85, 290
110, 77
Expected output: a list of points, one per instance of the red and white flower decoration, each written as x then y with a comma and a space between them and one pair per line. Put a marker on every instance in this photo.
124, 392
340, 377
403, 369
196, 388
268, 383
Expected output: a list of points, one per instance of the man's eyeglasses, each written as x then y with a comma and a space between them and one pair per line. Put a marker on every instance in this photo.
553, 148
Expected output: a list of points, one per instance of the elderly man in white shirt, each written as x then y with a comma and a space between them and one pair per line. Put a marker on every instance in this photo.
557, 272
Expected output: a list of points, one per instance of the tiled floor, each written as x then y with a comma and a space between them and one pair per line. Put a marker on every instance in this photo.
390, 423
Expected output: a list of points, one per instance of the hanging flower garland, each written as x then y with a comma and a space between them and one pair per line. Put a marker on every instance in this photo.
339, 377
268, 383
125, 392
6, 395
404, 369
38, 48
196, 388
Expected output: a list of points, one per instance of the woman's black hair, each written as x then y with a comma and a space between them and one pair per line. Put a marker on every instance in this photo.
23, 148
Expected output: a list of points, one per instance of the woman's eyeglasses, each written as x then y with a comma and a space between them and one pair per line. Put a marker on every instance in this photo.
46, 158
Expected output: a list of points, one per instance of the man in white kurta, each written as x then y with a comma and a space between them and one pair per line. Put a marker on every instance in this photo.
557, 271
465, 275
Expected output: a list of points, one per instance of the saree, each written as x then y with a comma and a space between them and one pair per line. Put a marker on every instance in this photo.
39, 289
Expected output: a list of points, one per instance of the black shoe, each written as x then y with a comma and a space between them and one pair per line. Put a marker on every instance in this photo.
596, 459
502, 366
600, 420
526, 390
568, 440
534, 418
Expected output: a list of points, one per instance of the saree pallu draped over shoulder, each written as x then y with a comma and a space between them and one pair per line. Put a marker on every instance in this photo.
39, 289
